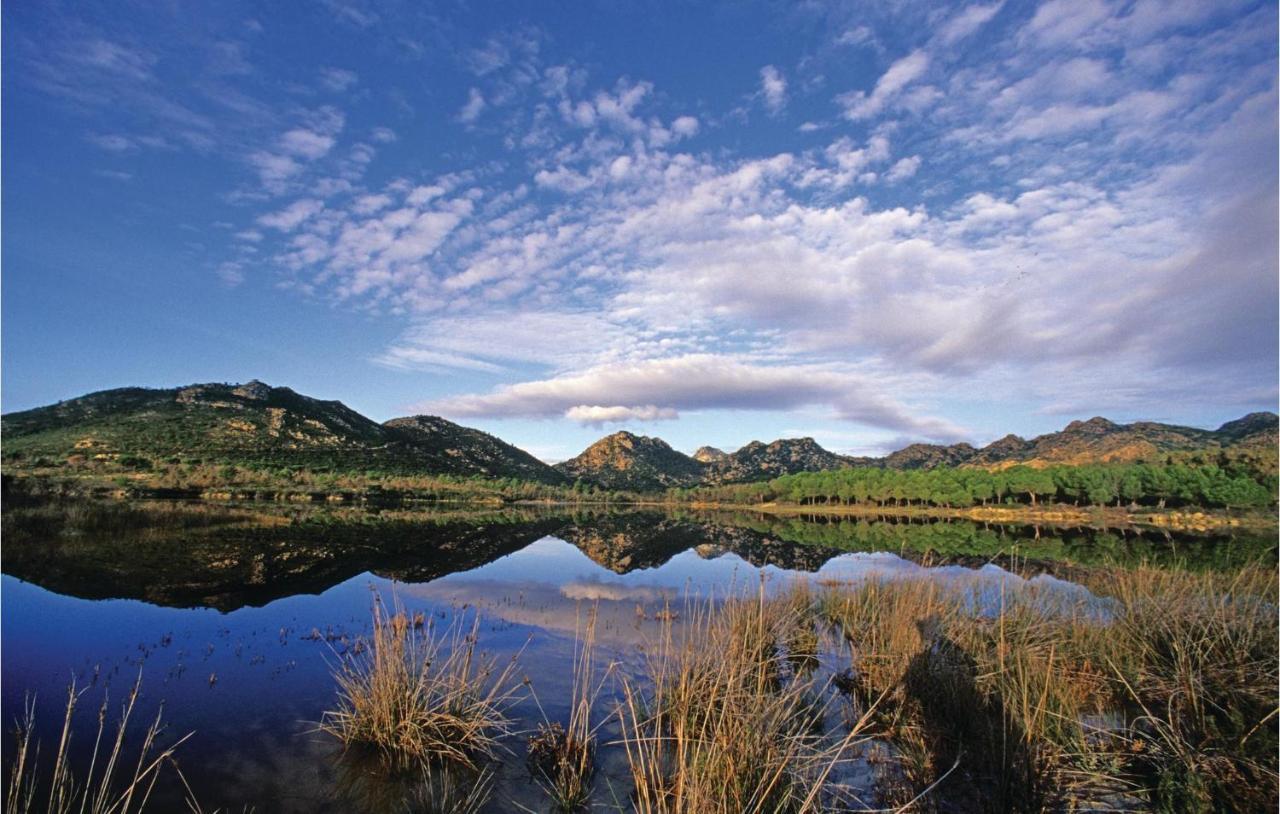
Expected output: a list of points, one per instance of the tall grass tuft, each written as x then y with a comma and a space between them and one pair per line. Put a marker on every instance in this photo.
114, 781
422, 696
562, 758
726, 727
1162, 692
995, 703
1196, 657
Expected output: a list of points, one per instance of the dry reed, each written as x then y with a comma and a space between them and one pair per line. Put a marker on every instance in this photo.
725, 726
419, 696
113, 782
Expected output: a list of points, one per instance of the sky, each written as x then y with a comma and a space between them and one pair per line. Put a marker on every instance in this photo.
871, 223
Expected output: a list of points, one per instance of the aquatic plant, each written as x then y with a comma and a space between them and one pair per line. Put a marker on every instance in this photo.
562, 758
1164, 690
114, 782
1197, 659
723, 726
418, 695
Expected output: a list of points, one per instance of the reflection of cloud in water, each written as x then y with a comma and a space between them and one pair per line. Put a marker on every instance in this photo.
626, 615
612, 591
546, 584
986, 586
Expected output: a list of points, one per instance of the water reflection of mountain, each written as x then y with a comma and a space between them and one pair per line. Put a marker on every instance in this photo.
230, 566
627, 542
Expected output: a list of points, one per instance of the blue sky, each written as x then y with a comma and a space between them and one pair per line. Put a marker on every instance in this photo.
871, 223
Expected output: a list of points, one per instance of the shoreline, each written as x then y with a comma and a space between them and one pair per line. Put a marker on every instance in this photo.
1051, 515
1191, 518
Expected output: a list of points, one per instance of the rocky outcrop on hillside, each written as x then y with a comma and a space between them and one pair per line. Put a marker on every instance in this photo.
759, 461
633, 462
710, 455
443, 446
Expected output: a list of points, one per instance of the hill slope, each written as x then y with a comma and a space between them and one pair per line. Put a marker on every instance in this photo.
1101, 441
255, 424
758, 461
443, 446
627, 461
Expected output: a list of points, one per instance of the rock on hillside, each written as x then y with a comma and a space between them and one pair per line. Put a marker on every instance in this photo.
758, 461
637, 462
928, 456
447, 447
709, 455
1010, 448
1101, 441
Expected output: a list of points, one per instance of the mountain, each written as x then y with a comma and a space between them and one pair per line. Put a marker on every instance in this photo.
626, 461
636, 462
1254, 426
709, 455
928, 456
257, 424
648, 463
1099, 440
759, 461
443, 446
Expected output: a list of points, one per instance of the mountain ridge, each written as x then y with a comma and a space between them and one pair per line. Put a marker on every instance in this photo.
255, 423
258, 424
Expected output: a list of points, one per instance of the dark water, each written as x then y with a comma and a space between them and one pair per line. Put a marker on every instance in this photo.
235, 622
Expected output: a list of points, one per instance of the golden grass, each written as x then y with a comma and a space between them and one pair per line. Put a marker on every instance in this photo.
418, 695
561, 758
1197, 658
1164, 691
723, 726
113, 783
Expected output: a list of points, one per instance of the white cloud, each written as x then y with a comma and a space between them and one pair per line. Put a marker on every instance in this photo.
383, 135
773, 88
903, 169
694, 382
967, 22
338, 79
858, 35
596, 415
685, 126
112, 142
1060, 22
473, 108
112, 57
306, 144
231, 274
618, 275
292, 216
859, 105
559, 340
274, 169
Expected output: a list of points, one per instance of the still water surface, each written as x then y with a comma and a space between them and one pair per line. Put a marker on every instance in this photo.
236, 629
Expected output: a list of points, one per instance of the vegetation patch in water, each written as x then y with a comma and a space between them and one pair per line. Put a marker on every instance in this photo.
417, 695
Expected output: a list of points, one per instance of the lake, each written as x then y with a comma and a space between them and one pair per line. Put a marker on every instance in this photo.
235, 617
